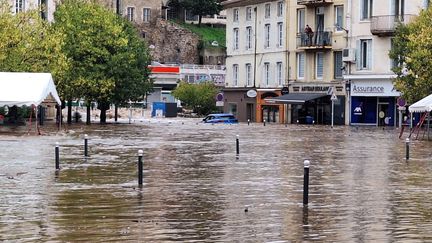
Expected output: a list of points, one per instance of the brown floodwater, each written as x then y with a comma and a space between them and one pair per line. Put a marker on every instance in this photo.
195, 189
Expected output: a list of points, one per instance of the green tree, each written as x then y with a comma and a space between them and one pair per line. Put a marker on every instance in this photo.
198, 97
202, 7
30, 44
412, 48
109, 59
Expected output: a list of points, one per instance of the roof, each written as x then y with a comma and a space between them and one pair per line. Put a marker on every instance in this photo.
423, 105
26, 89
296, 98
221, 114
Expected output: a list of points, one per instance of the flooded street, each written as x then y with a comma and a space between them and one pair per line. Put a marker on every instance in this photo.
195, 190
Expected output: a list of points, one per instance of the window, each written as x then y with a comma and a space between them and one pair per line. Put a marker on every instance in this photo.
19, 6
365, 54
280, 9
130, 13
319, 62
248, 74
235, 15
232, 108
279, 74
366, 9
146, 15
248, 38
248, 13
267, 73
339, 18
267, 11
338, 65
236, 39
267, 35
280, 34
300, 65
235, 74
300, 20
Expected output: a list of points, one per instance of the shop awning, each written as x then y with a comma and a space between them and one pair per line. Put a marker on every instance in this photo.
423, 105
297, 98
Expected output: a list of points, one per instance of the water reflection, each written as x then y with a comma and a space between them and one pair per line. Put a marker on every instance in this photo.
361, 187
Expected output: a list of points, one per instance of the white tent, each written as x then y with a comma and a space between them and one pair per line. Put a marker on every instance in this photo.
27, 89
423, 105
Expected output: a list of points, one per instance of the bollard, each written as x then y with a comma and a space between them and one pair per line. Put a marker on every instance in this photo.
407, 142
306, 182
85, 145
237, 146
140, 167
248, 122
57, 156
264, 122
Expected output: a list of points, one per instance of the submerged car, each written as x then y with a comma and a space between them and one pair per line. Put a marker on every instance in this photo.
220, 118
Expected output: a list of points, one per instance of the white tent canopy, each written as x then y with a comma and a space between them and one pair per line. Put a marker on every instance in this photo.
423, 105
27, 89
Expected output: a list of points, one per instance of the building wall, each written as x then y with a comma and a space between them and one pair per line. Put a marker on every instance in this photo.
49, 7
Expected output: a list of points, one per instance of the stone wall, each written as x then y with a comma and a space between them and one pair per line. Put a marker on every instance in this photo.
170, 43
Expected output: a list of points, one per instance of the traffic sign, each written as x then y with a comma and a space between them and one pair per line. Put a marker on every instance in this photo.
333, 97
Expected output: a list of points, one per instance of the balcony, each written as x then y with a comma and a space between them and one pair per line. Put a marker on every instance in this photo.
385, 25
314, 41
314, 3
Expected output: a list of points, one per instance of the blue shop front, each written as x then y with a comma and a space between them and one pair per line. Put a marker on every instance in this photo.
373, 102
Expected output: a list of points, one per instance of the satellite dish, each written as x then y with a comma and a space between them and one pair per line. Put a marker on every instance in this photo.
215, 43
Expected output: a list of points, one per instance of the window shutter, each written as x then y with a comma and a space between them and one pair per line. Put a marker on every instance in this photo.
358, 55
369, 55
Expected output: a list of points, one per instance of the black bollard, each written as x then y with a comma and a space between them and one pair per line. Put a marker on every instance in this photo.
85, 145
264, 122
237, 146
407, 142
306, 182
57, 156
140, 167
248, 122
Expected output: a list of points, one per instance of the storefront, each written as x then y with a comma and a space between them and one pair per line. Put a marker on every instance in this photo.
373, 102
312, 103
270, 112
241, 103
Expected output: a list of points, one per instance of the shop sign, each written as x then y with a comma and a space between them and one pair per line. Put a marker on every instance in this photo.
373, 88
251, 93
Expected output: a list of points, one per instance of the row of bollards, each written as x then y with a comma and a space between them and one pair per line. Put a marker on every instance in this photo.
57, 152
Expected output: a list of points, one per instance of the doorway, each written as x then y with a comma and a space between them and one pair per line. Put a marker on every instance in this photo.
250, 112
270, 113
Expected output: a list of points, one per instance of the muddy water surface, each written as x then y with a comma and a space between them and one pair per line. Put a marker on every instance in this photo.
195, 190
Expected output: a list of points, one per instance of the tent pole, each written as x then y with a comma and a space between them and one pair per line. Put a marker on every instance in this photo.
428, 124
36, 118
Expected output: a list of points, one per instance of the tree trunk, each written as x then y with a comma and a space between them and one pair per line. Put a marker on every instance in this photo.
103, 106
88, 122
199, 20
69, 114
116, 113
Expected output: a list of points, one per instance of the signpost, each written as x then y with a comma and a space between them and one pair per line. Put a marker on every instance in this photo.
333, 99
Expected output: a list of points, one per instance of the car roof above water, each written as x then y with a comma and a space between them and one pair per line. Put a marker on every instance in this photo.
221, 114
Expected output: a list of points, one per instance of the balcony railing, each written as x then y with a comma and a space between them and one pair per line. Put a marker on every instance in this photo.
385, 25
314, 2
315, 40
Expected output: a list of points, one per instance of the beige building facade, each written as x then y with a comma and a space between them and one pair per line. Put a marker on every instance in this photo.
256, 59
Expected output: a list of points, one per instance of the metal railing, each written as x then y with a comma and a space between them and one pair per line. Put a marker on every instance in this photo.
386, 24
316, 39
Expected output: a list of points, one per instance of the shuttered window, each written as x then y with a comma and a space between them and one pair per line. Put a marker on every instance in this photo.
338, 64
319, 65
300, 65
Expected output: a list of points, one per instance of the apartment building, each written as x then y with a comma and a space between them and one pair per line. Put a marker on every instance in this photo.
256, 59
46, 7
317, 35
371, 98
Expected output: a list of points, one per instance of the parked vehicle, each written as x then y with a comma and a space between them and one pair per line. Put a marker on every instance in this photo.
220, 118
